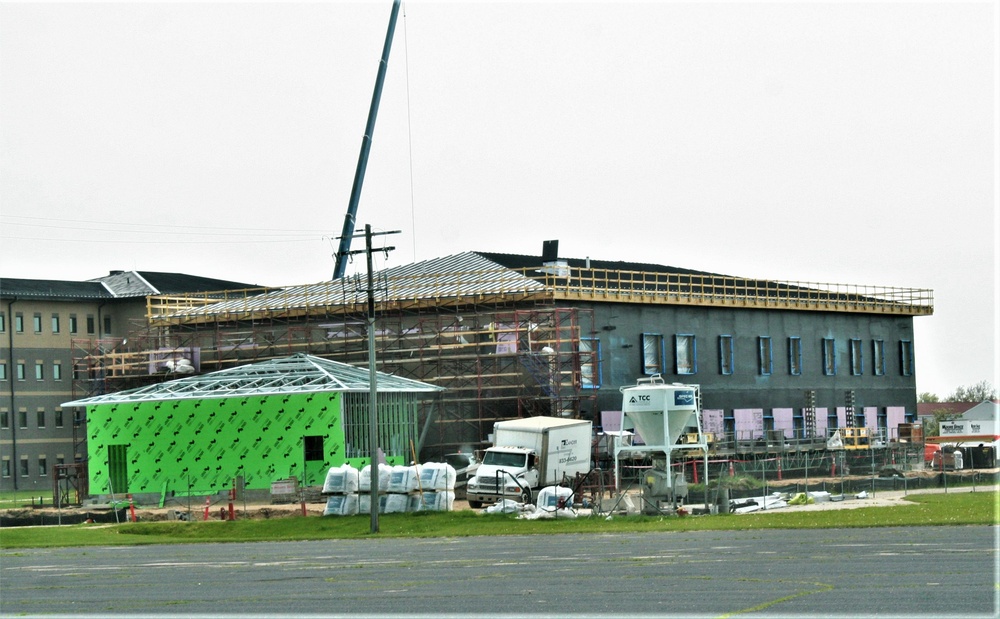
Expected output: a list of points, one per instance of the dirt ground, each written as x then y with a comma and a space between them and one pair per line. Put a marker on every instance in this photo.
259, 511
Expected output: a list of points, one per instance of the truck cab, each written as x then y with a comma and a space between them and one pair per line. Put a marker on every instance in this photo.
515, 469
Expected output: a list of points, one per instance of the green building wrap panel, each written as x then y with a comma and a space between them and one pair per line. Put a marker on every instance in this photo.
200, 446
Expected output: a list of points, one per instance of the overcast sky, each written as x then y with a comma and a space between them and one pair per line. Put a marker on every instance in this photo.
846, 142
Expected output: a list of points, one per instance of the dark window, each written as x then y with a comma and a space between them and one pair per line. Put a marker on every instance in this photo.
313, 448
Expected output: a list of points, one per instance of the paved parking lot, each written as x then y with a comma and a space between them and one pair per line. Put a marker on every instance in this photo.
931, 571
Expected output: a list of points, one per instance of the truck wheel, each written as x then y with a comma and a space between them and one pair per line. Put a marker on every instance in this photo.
526, 496
475, 504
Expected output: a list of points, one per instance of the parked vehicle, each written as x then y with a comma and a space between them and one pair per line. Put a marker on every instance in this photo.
529, 454
465, 465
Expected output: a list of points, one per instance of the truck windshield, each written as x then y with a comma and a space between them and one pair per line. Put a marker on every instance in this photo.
499, 458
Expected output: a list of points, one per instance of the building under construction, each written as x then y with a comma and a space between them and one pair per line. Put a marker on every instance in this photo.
512, 335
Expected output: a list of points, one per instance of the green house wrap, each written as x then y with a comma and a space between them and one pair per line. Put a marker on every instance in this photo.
295, 417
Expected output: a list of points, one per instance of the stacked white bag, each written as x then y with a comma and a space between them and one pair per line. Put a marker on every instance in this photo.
424, 487
341, 488
437, 486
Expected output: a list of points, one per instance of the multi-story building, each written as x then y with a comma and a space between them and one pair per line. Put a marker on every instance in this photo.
44, 326
514, 335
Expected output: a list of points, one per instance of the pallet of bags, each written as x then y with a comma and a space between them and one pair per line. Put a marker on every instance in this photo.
341, 505
436, 476
341, 480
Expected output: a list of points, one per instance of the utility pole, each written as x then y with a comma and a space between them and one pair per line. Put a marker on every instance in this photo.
372, 374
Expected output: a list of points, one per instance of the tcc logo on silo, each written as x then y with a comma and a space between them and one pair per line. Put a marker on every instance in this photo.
683, 398
639, 399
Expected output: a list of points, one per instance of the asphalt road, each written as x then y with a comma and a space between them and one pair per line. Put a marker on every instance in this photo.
928, 571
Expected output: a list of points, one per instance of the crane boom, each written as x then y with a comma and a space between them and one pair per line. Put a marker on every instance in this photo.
359, 176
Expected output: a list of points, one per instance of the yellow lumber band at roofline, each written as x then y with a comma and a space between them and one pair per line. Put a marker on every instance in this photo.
572, 284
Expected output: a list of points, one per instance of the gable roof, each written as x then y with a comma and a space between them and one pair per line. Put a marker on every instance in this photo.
419, 281
926, 409
52, 289
115, 285
144, 283
299, 373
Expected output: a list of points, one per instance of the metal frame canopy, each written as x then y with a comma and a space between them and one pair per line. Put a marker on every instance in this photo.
299, 373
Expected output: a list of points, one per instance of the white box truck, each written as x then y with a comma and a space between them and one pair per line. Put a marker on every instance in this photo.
529, 454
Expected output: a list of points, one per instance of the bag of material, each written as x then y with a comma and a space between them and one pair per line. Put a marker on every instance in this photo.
341, 505
437, 476
365, 478
341, 480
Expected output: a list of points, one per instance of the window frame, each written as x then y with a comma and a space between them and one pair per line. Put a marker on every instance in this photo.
653, 343
596, 353
829, 356
692, 355
906, 357
878, 357
726, 353
765, 364
794, 356
55, 323
857, 354
36, 322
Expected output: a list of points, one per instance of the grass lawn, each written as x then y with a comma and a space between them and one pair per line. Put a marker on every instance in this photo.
978, 508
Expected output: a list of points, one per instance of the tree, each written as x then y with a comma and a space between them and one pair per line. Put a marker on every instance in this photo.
927, 396
982, 391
